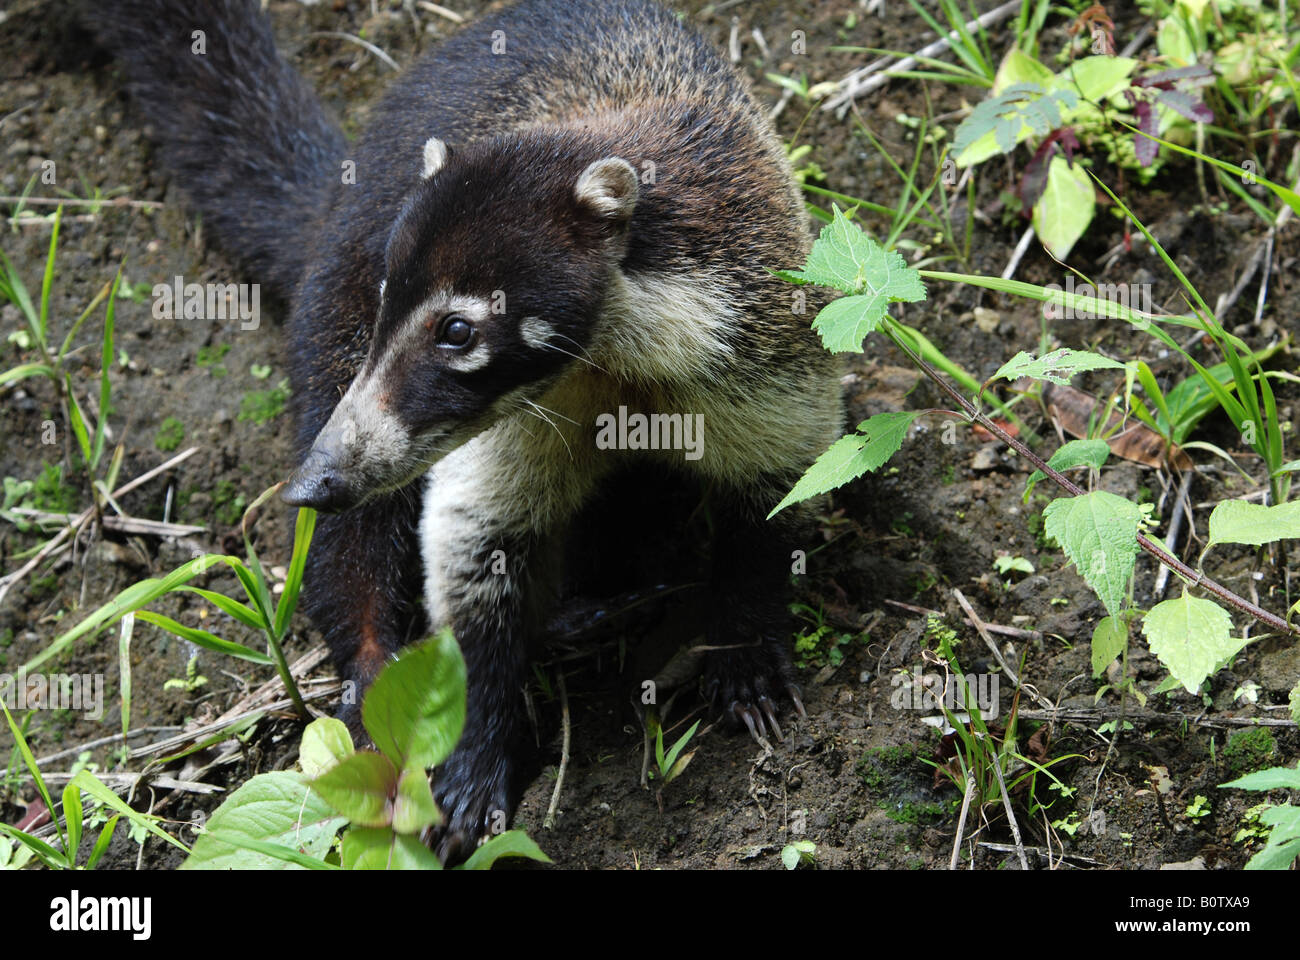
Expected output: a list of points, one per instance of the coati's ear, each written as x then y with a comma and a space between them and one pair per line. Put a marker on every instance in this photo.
435, 155
608, 188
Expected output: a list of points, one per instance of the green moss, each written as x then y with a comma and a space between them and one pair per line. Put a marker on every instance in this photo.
1249, 750
169, 435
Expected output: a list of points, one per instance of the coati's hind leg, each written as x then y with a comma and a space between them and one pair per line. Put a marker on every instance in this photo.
362, 587
750, 615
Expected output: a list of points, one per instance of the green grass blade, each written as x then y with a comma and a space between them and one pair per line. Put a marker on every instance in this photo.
47, 280
203, 638
304, 527
32, 768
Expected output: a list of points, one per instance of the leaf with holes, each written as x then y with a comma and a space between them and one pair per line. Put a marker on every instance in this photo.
1191, 637
1058, 366
1098, 532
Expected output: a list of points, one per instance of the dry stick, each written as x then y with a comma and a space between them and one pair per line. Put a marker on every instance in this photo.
1181, 509
961, 821
101, 742
862, 81
1011, 817
997, 654
9, 580
154, 528
1143, 541
1016, 632
1039, 851
1095, 715
70, 202
1019, 253
549, 822
441, 11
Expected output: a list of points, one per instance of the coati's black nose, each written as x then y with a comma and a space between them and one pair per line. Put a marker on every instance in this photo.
317, 484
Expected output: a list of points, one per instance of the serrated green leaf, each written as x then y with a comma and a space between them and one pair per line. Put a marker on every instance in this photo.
1294, 703
1066, 207
379, 848
1098, 532
1191, 637
415, 709
414, 808
852, 455
1059, 366
1075, 453
1283, 845
512, 843
1275, 778
325, 742
1108, 641
276, 808
1236, 521
846, 259
361, 788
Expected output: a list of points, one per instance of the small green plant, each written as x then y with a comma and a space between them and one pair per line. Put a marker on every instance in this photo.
263, 405
380, 799
1249, 750
800, 853
1282, 820
193, 679
819, 644
209, 357
170, 435
261, 612
1199, 808
671, 764
1101, 533
69, 827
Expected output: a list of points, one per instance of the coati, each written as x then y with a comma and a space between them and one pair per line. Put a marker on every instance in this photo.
562, 214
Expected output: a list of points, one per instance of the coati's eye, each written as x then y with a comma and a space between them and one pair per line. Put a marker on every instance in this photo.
456, 331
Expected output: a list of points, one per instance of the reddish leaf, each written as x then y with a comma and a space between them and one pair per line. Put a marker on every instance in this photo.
1187, 105
1145, 147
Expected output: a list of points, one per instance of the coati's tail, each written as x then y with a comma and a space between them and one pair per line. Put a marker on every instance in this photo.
239, 129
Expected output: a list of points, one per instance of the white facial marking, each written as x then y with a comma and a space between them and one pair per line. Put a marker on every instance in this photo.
536, 332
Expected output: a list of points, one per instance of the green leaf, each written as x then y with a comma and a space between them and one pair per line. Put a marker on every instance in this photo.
1275, 778
414, 809
277, 808
360, 787
92, 785
52, 858
202, 638
25, 370
379, 848
1075, 453
101, 844
1108, 641
1191, 637
852, 455
29, 759
325, 742
1236, 521
415, 709
512, 843
793, 854
1098, 532
1283, 841
1293, 702
239, 611
1066, 207
132, 598
304, 526
1058, 366
72, 815
1095, 78
846, 259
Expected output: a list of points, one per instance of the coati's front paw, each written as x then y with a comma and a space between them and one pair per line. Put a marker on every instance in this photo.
744, 681
475, 805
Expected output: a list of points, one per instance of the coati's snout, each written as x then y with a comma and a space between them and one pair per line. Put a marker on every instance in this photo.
473, 322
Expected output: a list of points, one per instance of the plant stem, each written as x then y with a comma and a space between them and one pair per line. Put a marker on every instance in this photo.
1150, 546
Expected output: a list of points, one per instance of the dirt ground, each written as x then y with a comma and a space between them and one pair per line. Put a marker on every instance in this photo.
852, 778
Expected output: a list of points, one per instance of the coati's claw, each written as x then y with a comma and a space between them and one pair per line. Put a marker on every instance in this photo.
769, 710
751, 719
795, 695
